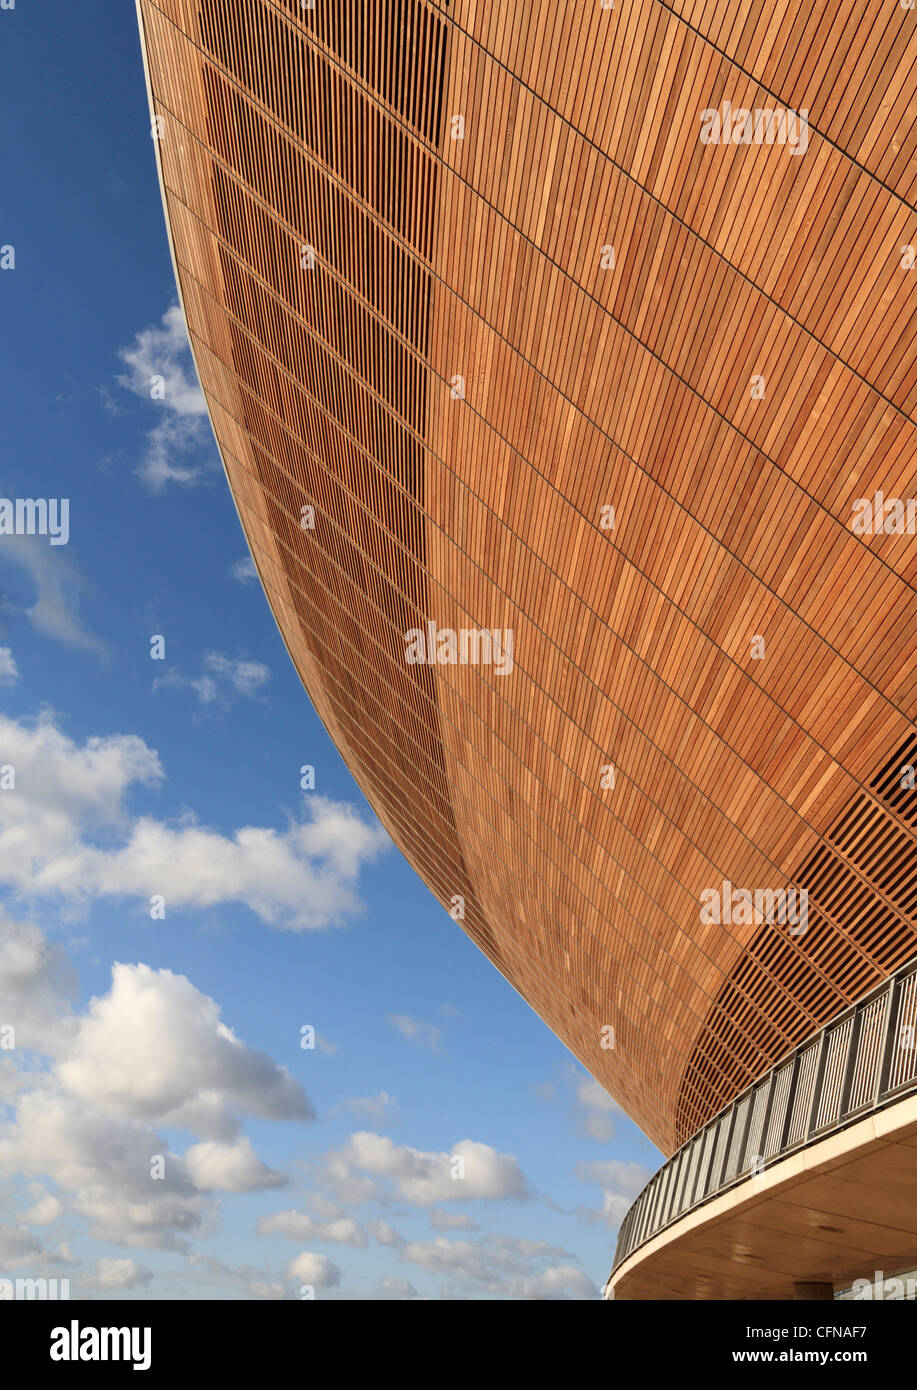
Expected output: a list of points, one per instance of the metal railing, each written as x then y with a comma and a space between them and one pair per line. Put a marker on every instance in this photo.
864, 1058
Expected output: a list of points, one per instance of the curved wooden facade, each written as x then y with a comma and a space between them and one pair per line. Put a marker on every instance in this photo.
470, 281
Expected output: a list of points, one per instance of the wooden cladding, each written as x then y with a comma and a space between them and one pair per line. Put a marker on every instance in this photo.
397, 47
326, 112
862, 886
460, 342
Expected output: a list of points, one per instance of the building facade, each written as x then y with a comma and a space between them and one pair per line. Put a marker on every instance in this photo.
560, 357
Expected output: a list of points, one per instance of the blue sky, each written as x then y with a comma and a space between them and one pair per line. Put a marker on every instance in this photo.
285, 1167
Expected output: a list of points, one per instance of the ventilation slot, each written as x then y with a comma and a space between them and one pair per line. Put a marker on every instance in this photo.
862, 886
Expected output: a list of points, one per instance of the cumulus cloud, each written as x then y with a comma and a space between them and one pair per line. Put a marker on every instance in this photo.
45, 1210
18, 1246
221, 679
416, 1030
66, 833
161, 371
316, 1270
390, 1286
154, 1048
217, 1167
260, 1288
102, 1163
472, 1170
299, 1225
36, 981
152, 1051
301, 879
384, 1234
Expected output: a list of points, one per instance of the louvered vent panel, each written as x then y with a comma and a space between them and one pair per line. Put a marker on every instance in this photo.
306, 351
862, 900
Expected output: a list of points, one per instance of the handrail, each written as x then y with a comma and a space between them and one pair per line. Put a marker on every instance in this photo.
861, 1060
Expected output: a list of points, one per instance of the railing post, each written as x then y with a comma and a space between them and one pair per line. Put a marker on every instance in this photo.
768, 1108
744, 1142
819, 1078
891, 1029
790, 1105
655, 1203
700, 1167
726, 1146
852, 1058
708, 1166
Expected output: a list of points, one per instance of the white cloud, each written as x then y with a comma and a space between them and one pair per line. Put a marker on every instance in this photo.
9, 671
151, 1051
593, 1095
218, 1167
597, 1108
377, 1107
416, 1030
59, 586
324, 1206
120, 1274
259, 1288
101, 1162
243, 571
162, 351
301, 878
154, 1048
36, 978
18, 1246
221, 679
502, 1266
426, 1178
317, 1270
559, 1281
46, 1210
384, 1234
620, 1182
393, 1287
299, 1225
451, 1220
591, 1108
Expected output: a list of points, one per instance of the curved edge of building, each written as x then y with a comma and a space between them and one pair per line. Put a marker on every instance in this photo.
841, 1210
803, 1184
